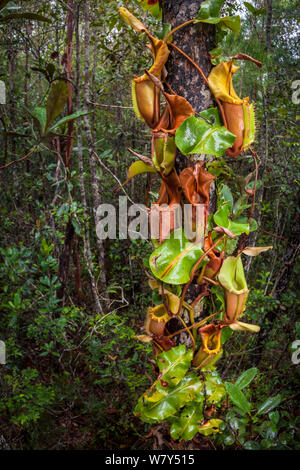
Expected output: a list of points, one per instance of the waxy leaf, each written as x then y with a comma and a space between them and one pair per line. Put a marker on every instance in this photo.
187, 424
238, 397
237, 227
210, 13
173, 260
215, 391
197, 135
246, 377
269, 404
174, 364
211, 427
166, 401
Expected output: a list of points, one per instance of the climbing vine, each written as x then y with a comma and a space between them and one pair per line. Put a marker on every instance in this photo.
187, 391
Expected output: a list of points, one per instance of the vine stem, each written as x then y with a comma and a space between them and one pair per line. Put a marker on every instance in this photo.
20, 159
194, 325
177, 29
197, 67
255, 157
195, 269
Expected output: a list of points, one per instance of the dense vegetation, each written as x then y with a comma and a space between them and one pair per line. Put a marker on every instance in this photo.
71, 304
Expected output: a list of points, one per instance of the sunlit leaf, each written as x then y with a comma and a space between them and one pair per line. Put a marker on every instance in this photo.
173, 260
196, 135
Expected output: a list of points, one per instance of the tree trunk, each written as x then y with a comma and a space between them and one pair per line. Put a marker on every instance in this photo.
65, 257
196, 41
86, 235
90, 143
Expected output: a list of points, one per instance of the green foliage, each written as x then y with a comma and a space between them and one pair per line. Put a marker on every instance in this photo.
204, 134
179, 396
173, 260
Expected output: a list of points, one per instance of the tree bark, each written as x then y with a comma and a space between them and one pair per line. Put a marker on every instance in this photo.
90, 143
196, 41
86, 235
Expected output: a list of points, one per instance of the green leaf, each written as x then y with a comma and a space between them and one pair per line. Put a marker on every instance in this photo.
57, 99
274, 417
255, 11
78, 114
39, 118
166, 401
196, 135
250, 7
231, 22
221, 217
226, 196
186, 426
246, 377
215, 391
174, 364
154, 9
166, 28
173, 260
211, 427
210, 8
238, 397
269, 404
26, 16
3, 3
210, 13
251, 445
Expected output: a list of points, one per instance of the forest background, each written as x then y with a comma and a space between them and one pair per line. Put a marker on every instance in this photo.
70, 303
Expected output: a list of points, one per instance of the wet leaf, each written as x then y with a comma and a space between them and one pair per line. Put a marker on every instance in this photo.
269, 404
211, 427
166, 401
174, 364
174, 259
187, 424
